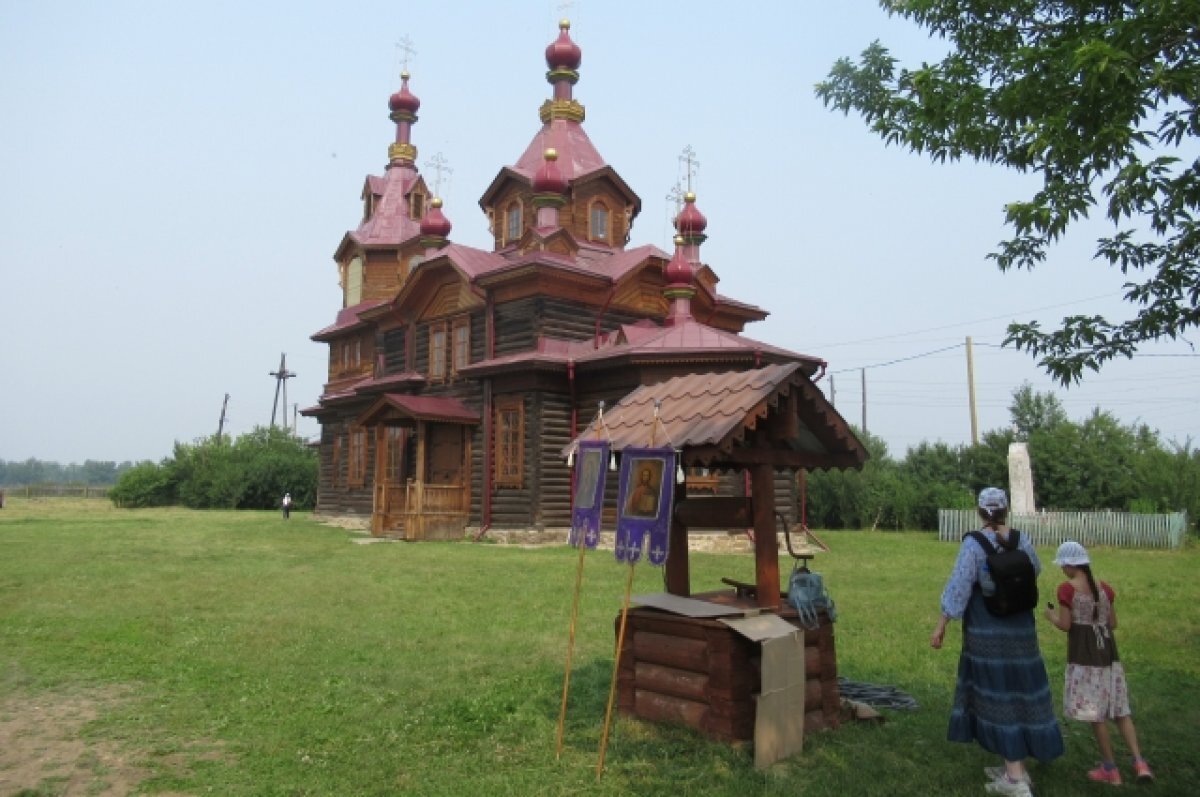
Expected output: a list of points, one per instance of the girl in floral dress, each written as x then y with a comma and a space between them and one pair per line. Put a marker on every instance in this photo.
1096, 690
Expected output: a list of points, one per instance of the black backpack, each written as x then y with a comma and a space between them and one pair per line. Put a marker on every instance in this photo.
1011, 571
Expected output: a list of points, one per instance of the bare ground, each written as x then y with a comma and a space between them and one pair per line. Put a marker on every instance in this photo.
44, 752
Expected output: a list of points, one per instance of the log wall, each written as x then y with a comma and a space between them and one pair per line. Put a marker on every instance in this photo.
703, 674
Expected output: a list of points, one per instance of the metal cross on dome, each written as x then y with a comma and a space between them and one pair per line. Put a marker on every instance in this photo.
406, 49
441, 168
688, 158
676, 195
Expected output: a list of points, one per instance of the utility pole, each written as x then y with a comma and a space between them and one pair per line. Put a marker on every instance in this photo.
832, 391
971, 393
281, 378
295, 409
864, 408
221, 423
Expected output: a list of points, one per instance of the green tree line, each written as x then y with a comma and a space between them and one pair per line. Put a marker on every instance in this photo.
252, 472
92, 473
1093, 464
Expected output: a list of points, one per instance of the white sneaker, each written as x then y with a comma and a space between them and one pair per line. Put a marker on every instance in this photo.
996, 773
1005, 786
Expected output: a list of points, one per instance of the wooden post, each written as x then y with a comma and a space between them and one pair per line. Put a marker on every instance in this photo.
766, 543
678, 571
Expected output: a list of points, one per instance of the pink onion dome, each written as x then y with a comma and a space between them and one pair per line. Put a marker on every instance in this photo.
404, 100
563, 53
435, 224
549, 178
678, 271
690, 220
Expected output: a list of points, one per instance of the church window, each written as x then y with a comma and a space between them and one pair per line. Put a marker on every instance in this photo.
335, 469
354, 282
437, 351
598, 222
512, 222
416, 205
356, 466
462, 343
510, 442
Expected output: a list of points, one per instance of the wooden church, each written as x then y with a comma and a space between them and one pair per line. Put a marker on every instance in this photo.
457, 376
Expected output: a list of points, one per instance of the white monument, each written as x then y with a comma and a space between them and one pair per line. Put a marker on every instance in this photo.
1020, 480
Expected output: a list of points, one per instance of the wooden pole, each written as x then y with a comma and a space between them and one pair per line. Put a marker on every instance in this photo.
612, 689
562, 711
971, 392
766, 542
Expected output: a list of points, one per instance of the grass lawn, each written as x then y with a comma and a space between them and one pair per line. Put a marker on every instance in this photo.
231, 653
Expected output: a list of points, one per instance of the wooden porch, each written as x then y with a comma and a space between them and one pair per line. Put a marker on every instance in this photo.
420, 511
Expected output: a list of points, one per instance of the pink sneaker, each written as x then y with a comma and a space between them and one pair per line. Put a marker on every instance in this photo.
1144, 775
1102, 775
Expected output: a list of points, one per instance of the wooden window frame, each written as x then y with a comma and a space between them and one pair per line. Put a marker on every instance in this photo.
439, 367
416, 205
513, 221
356, 462
460, 348
335, 464
594, 233
510, 442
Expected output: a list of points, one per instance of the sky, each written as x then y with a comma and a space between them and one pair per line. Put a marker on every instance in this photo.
175, 178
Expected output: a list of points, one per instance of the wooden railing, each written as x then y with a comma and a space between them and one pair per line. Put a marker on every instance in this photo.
1119, 529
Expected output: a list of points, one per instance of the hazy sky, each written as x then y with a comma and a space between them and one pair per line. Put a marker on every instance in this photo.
175, 177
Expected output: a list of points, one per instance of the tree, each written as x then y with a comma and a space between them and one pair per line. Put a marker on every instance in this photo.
1032, 411
1087, 95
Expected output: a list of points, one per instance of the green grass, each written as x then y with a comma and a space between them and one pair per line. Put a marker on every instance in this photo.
257, 657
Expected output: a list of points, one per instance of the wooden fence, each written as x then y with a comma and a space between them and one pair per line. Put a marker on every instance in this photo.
1050, 529
55, 491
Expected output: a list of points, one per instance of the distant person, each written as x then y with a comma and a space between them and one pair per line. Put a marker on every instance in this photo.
1002, 698
1095, 691
287, 505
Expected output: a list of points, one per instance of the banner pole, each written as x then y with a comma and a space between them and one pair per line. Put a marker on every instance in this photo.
562, 712
612, 689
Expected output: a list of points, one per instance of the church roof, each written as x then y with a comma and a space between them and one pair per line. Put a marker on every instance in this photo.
347, 319
391, 221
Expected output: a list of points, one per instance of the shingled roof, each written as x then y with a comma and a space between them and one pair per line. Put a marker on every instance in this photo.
734, 418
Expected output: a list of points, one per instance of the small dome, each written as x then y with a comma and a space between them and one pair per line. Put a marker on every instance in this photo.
563, 53
435, 224
549, 178
404, 100
690, 220
678, 271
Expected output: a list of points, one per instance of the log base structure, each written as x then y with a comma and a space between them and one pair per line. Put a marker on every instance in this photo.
701, 673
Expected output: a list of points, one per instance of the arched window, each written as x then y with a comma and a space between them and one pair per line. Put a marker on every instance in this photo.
512, 222
598, 222
354, 282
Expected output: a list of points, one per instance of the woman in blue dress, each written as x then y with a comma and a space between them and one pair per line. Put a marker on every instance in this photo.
1002, 699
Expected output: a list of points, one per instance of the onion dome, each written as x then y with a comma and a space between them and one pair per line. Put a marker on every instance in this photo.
404, 100
690, 220
678, 271
563, 53
549, 178
435, 224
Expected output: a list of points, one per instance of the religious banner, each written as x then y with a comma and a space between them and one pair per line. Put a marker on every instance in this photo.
644, 502
590, 475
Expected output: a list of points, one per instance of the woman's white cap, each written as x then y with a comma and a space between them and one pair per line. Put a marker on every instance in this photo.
1071, 553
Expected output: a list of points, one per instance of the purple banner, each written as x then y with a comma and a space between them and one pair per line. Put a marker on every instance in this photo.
591, 470
644, 503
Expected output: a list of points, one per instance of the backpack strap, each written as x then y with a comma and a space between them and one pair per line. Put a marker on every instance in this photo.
983, 541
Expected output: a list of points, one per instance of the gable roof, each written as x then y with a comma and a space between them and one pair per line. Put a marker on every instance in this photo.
420, 408
710, 417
